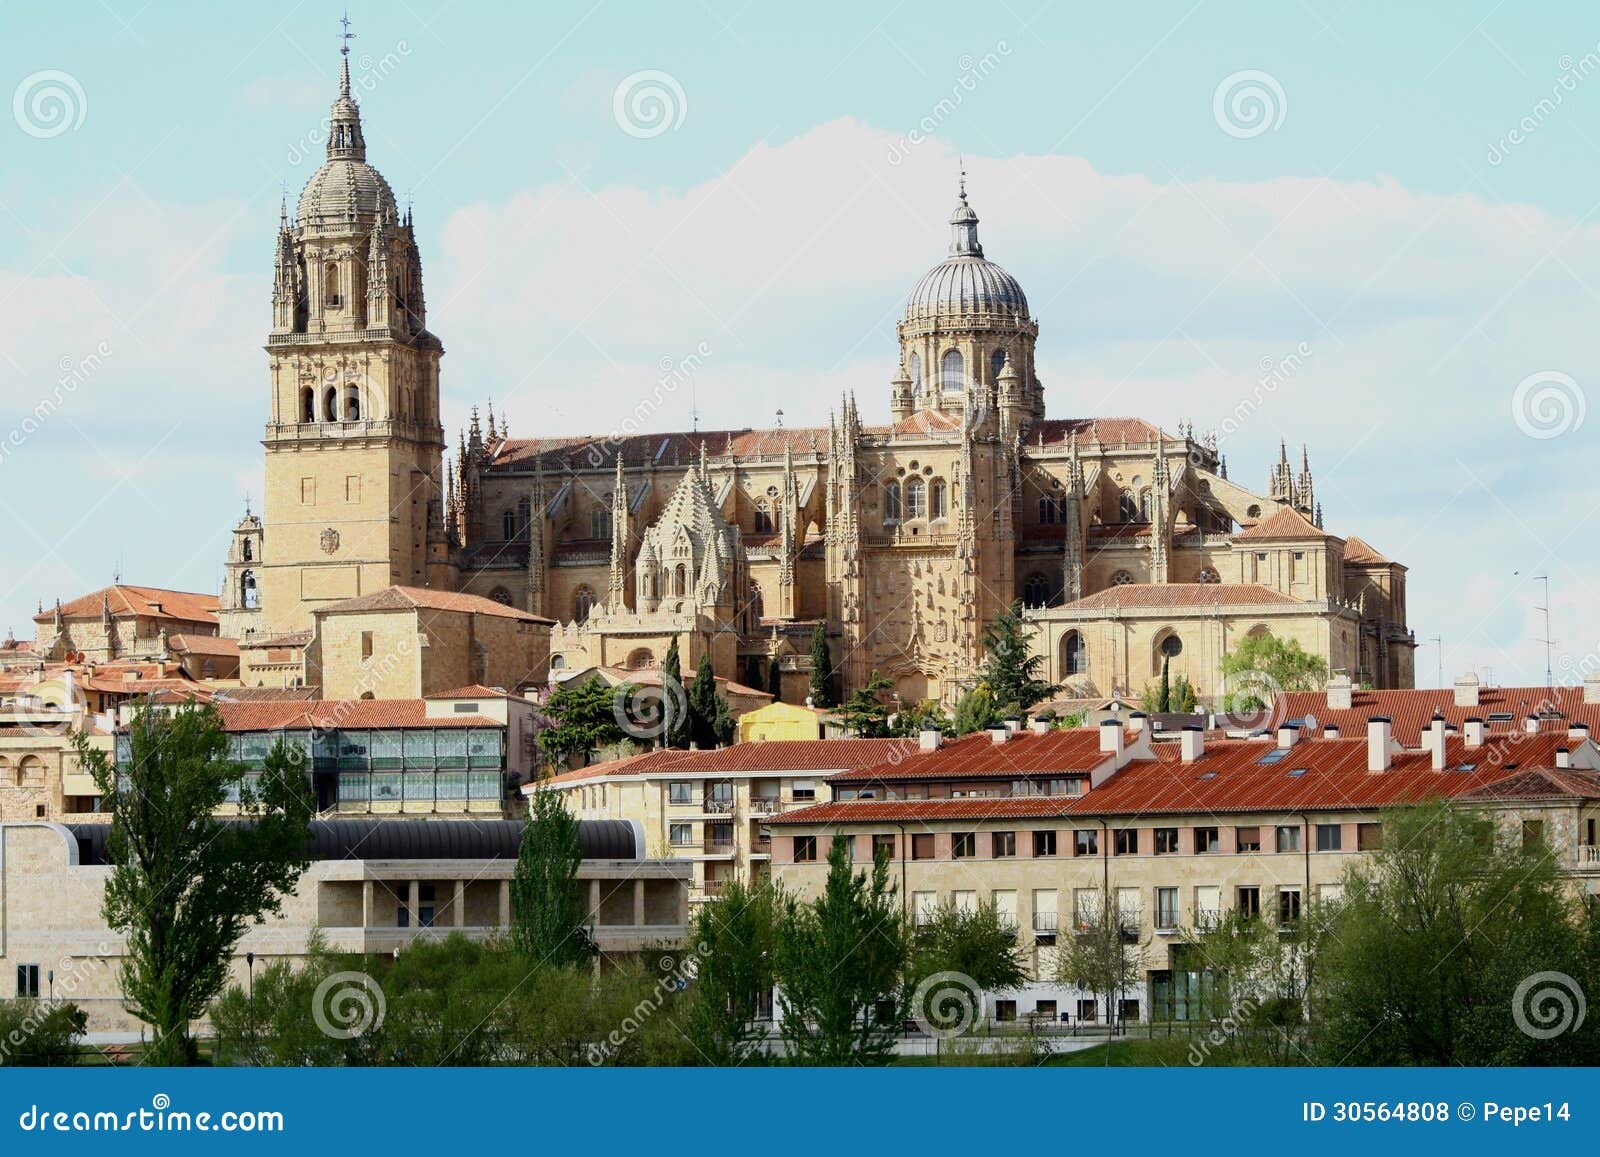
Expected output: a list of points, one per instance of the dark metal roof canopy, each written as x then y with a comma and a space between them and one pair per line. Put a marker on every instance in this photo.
416, 840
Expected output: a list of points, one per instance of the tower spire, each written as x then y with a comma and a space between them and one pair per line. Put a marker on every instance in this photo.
345, 37
964, 223
344, 123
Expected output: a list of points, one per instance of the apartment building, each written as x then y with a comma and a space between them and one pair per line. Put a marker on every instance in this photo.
1051, 825
712, 808
374, 886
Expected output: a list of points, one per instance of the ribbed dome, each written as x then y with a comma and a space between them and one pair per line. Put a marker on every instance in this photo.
966, 282
344, 193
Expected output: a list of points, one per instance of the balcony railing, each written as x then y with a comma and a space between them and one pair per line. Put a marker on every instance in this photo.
713, 887
1046, 921
764, 805
715, 806
1589, 855
718, 847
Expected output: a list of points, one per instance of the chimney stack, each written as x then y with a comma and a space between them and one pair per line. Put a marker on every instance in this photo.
1379, 732
1475, 729
930, 739
1340, 692
1140, 721
999, 734
1563, 757
1433, 740
1531, 725
1577, 729
1331, 731
1288, 735
1111, 737
1013, 724
1467, 690
1193, 740
1591, 687
1039, 726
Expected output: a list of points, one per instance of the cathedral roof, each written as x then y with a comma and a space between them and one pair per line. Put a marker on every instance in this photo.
1108, 431
1285, 522
1360, 551
144, 602
422, 598
966, 282
666, 451
1139, 596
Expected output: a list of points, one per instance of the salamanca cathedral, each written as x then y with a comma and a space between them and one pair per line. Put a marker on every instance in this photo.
905, 529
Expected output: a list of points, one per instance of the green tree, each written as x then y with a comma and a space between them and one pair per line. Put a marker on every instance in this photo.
1011, 667
1264, 664
821, 667
866, 713
1437, 936
586, 716
184, 885
271, 1019
975, 711
975, 942
1103, 954
839, 964
733, 941
710, 721
40, 1034
547, 909
911, 720
674, 701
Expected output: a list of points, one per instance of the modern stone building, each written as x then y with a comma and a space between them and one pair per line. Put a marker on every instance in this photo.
372, 887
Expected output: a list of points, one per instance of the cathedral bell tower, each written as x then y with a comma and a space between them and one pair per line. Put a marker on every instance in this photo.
353, 439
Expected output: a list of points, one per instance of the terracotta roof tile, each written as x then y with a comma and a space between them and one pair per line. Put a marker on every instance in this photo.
1411, 710
1138, 596
1357, 550
128, 601
269, 715
978, 756
773, 755
1286, 523
204, 645
400, 598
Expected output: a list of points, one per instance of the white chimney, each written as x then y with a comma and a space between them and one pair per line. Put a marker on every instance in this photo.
1531, 725
1467, 690
1331, 731
1340, 691
930, 739
1193, 740
1013, 724
1288, 735
999, 734
1111, 736
1577, 729
1474, 728
1379, 731
1563, 757
1433, 740
1591, 687
1140, 721
1038, 726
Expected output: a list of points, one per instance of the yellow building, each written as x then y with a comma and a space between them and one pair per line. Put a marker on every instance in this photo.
780, 721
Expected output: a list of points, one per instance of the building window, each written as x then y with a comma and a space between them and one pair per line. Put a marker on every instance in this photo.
1171, 646
1122, 578
1207, 575
1205, 840
1166, 841
1127, 507
1086, 842
1044, 843
1532, 834
952, 376
366, 644
1074, 654
1288, 838
27, 982
1126, 841
682, 835
1288, 905
891, 502
680, 793
922, 846
883, 845
805, 849
1329, 837
1369, 837
1003, 844
916, 373
763, 523
1250, 902
582, 604
1005, 1010
1166, 908
938, 506
964, 845
1249, 839
1036, 591
916, 498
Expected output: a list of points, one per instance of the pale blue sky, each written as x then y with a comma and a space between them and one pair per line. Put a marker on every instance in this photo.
1165, 258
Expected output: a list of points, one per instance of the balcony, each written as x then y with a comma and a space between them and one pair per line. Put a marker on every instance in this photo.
717, 847
765, 805
717, 806
714, 887
1047, 922
1589, 856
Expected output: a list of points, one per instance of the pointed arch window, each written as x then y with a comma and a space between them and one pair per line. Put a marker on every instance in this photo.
916, 498
1127, 507
763, 517
524, 519
582, 604
1036, 591
508, 526
952, 372
938, 506
891, 502
1074, 654
916, 373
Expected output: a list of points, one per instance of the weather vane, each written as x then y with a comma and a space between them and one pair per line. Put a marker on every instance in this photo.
347, 36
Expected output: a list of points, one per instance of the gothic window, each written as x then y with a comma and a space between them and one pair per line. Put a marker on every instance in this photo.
1050, 510
330, 284
1036, 591
937, 506
916, 372
757, 602
308, 405
247, 591
1253, 511
582, 604
952, 378
508, 525
501, 596
1127, 507
891, 502
1144, 506
1121, 579
1207, 575
600, 522
997, 362
640, 658
524, 518
680, 581
763, 517
1074, 654
916, 499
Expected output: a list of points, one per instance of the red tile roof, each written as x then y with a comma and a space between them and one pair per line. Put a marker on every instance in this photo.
1136, 596
204, 645
928, 422
473, 691
1358, 550
664, 451
926, 810
1412, 710
1542, 783
1104, 430
772, 755
1286, 523
147, 602
978, 756
399, 598
268, 715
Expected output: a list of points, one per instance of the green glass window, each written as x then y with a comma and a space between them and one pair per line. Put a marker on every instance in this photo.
485, 785
325, 750
452, 748
253, 750
385, 750
419, 749
483, 748
353, 750
355, 787
419, 785
452, 785
386, 786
